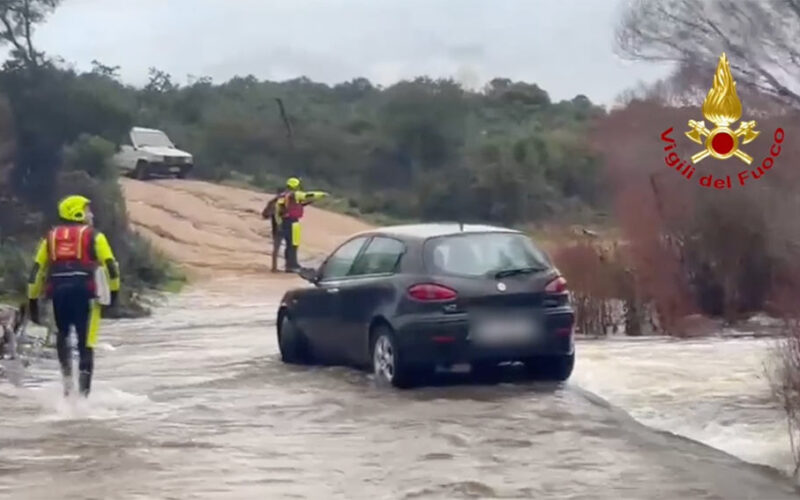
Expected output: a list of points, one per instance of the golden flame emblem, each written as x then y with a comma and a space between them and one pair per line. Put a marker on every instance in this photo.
722, 107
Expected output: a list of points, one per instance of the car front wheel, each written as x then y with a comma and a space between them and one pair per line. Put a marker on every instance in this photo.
552, 368
292, 343
140, 172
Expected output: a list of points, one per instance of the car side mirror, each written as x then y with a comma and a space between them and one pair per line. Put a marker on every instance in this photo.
309, 274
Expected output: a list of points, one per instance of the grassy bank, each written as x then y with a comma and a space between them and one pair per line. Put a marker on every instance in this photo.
145, 271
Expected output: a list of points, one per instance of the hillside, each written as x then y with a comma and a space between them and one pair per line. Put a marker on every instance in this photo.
214, 230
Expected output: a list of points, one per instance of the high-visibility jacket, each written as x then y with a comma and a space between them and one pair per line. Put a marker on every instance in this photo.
291, 204
72, 252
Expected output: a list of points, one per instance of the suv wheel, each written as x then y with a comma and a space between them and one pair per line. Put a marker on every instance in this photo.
140, 172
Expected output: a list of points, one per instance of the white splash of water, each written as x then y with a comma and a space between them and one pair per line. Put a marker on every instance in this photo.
711, 390
104, 403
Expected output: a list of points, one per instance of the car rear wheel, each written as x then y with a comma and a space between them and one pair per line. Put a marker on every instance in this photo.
292, 343
387, 360
552, 368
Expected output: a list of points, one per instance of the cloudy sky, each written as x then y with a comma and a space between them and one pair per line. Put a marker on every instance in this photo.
565, 46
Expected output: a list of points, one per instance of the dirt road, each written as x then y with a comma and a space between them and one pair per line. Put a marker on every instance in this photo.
217, 230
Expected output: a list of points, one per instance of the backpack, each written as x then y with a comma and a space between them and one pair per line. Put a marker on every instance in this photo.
269, 210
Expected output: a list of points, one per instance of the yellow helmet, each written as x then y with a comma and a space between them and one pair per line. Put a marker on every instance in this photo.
73, 208
293, 183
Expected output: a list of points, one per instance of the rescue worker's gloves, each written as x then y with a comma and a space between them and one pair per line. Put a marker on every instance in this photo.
313, 196
33, 310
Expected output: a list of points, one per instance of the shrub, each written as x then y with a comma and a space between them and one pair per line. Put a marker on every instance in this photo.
695, 249
784, 378
140, 265
13, 270
91, 154
599, 282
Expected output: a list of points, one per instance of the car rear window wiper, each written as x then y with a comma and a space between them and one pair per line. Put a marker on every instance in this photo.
520, 270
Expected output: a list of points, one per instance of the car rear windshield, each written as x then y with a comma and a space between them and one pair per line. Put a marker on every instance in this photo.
483, 254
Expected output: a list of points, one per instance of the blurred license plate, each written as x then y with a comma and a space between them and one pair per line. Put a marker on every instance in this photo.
504, 330
175, 169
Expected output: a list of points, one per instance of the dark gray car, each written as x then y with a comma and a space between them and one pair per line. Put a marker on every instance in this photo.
401, 300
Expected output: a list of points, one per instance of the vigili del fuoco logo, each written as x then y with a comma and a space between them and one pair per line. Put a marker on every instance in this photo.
722, 108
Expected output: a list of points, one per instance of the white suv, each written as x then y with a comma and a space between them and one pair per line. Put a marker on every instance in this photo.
152, 153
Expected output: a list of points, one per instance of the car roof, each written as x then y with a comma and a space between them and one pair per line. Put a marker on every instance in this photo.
144, 129
435, 229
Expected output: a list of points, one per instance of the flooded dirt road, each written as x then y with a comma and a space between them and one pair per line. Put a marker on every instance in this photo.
194, 403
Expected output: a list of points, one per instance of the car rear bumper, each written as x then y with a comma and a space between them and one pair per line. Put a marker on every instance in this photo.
446, 339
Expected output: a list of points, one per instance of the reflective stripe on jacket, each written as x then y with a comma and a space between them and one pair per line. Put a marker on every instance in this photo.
70, 250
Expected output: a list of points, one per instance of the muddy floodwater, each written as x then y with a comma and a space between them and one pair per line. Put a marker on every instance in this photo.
195, 403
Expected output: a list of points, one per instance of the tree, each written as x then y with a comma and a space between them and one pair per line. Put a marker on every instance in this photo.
160, 81
101, 69
18, 18
759, 37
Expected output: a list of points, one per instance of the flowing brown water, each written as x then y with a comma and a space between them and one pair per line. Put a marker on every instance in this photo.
195, 403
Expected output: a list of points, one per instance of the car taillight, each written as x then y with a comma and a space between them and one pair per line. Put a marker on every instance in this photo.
431, 292
558, 285
564, 331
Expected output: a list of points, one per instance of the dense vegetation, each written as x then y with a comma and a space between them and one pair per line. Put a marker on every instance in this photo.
422, 149
688, 249
52, 130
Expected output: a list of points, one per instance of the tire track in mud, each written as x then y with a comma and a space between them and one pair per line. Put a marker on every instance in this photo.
213, 202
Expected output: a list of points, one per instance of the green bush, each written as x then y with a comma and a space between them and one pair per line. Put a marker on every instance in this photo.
145, 267
141, 267
13, 270
92, 154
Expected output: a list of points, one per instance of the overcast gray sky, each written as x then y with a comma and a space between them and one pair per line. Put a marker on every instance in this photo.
565, 46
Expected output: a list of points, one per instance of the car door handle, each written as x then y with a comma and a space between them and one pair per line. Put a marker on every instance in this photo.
333, 290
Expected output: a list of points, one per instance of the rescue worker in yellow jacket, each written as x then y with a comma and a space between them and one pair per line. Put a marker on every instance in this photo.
289, 208
64, 271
